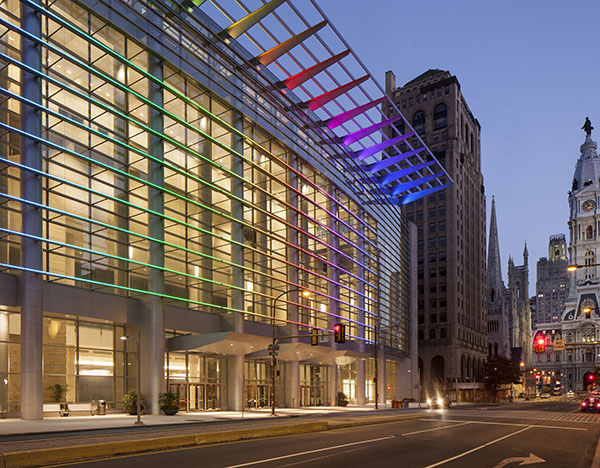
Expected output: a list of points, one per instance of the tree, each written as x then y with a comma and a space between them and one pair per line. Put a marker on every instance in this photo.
500, 371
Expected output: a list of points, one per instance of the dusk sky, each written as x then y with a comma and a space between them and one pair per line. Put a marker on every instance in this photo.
530, 73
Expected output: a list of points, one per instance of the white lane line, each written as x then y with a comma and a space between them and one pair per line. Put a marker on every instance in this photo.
493, 423
436, 428
266, 460
596, 461
460, 455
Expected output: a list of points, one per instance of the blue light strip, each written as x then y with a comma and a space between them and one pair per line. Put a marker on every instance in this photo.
415, 183
392, 176
423, 193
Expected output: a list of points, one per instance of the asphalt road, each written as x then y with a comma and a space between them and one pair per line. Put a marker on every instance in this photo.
492, 437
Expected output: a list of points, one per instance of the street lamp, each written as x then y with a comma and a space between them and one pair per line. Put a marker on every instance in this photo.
139, 385
273, 347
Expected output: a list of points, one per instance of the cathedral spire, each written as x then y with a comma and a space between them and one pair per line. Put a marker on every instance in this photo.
525, 254
494, 270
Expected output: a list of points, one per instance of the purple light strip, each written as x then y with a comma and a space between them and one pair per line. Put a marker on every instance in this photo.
273, 54
378, 166
354, 137
391, 177
339, 119
423, 193
305, 75
323, 99
371, 150
398, 189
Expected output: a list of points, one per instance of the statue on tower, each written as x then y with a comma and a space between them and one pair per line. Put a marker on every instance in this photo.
587, 126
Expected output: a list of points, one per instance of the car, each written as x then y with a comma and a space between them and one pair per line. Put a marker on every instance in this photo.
441, 401
570, 394
545, 395
590, 404
521, 395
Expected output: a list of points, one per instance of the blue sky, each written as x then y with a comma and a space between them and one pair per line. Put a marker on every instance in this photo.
529, 71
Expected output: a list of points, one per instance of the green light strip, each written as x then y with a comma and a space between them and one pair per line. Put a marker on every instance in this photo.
163, 85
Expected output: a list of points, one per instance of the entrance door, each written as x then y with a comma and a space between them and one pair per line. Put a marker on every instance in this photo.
197, 397
213, 397
180, 391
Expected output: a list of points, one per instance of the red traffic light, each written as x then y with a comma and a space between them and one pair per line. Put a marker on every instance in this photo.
339, 333
591, 377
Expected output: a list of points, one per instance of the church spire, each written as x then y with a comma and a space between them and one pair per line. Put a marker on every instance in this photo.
525, 254
494, 266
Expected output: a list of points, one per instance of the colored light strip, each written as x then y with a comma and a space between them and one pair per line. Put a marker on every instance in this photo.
305, 75
371, 150
387, 162
216, 188
273, 54
398, 189
391, 177
339, 119
360, 134
240, 27
323, 99
423, 193
213, 117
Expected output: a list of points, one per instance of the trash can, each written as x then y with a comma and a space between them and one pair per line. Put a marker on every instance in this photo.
101, 408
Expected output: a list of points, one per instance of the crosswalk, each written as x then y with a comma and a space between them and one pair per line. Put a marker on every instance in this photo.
535, 415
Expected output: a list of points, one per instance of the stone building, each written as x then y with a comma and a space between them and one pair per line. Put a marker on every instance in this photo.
451, 234
496, 296
576, 358
519, 318
551, 283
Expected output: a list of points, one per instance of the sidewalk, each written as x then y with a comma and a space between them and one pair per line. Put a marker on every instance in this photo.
116, 434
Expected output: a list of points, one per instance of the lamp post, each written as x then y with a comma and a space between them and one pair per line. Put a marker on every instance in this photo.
273, 347
139, 384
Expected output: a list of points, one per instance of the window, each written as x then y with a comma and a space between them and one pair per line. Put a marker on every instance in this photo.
589, 233
421, 334
440, 116
443, 333
432, 334
418, 122
399, 124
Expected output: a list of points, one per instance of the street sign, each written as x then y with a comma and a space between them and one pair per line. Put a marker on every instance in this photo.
559, 345
273, 346
273, 353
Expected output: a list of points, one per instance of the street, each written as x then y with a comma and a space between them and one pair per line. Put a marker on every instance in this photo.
553, 433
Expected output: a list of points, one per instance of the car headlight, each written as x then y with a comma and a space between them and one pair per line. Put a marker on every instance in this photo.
429, 401
440, 401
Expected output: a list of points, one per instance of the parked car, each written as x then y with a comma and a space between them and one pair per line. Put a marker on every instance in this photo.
570, 394
545, 395
441, 401
522, 395
590, 404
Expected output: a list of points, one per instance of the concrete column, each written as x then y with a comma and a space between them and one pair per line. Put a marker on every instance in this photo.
333, 384
152, 327
30, 285
292, 384
360, 302
236, 384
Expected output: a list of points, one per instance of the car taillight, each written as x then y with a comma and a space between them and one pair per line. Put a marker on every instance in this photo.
583, 403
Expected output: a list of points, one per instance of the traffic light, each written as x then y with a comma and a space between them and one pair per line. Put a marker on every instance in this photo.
540, 345
339, 333
314, 337
591, 377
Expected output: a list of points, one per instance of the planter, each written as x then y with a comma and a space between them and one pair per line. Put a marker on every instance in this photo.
133, 411
169, 410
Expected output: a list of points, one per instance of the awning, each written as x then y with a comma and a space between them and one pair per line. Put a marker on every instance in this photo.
229, 343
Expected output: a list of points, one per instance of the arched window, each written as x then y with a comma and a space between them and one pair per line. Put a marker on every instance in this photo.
432, 334
418, 122
440, 116
443, 333
589, 232
589, 258
492, 295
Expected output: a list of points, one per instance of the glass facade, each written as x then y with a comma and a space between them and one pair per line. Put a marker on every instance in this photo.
154, 185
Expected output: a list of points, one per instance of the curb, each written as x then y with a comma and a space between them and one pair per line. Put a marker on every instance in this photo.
32, 458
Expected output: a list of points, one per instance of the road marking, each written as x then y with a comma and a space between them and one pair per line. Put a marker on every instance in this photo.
283, 457
436, 429
512, 424
460, 455
322, 457
596, 462
530, 460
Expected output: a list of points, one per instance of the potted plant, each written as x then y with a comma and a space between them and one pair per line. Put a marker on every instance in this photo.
168, 403
130, 402
58, 392
342, 399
